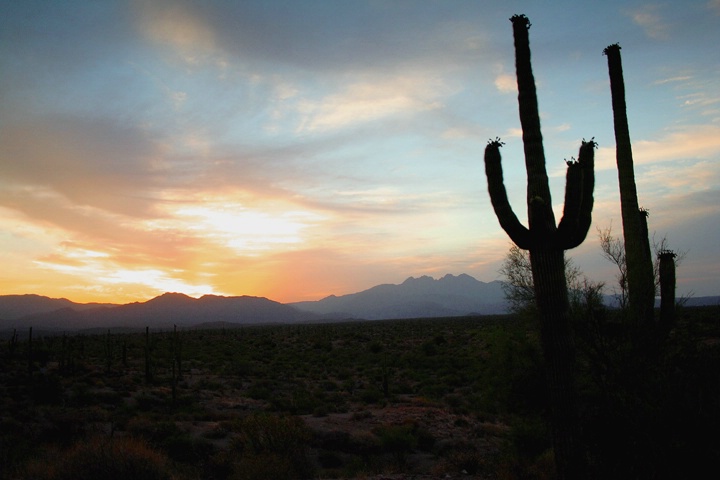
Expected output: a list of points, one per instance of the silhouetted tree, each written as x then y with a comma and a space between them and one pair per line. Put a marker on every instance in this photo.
518, 279
547, 243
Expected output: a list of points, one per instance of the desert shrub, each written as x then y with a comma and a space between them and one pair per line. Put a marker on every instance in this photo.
466, 460
320, 411
16, 444
148, 402
371, 395
187, 449
399, 440
102, 458
260, 390
208, 384
46, 389
330, 460
271, 446
151, 430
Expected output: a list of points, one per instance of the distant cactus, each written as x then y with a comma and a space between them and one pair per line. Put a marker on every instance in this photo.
30, 352
667, 288
12, 344
547, 242
109, 347
148, 357
176, 363
640, 278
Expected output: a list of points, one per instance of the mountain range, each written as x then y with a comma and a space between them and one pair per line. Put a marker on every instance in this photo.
160, 312
415, 298
422, 297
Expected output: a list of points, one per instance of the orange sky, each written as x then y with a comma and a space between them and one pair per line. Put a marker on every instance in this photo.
263, 148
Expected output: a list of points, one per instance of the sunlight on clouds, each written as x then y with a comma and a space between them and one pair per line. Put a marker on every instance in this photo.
247, 227
700, 141
82, 253
243, 230
365, 102
699, 100
97, 271
682, 178
157, 280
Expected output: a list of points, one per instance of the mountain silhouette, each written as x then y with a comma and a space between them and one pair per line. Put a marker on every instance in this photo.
17, 306
421, 297
162, 312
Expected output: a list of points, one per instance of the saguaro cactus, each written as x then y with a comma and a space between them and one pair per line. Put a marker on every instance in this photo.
148, 357
547, 243
640, 277
667, 288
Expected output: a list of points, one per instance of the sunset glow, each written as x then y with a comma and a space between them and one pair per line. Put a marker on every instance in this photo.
295, 150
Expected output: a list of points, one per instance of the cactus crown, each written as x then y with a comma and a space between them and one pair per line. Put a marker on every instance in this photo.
611, 48
521, 19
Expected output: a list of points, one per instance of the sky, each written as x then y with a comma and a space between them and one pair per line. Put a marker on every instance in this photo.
295, 150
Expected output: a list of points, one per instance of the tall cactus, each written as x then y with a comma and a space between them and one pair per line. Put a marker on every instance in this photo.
641, 280
547, 243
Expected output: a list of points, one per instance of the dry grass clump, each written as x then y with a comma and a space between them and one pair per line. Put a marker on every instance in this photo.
102, 458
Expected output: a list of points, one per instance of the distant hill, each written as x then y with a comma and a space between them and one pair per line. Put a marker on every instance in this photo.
17, 306
613, 301
163, 311
698, 301
415, 298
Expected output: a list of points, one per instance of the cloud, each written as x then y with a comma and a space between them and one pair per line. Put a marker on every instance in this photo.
691, 142
370, 101
650, 20
698, 141
506, 83
178, 27
675, 79
93, 162
330, 37
714, 5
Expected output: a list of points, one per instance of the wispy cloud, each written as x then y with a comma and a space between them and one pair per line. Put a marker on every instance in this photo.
650, 19
178, 27
714, 5
676, 79
370, 101
506, 83
692, 142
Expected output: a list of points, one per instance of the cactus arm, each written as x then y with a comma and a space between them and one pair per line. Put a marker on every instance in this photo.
498, 197
577, 213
